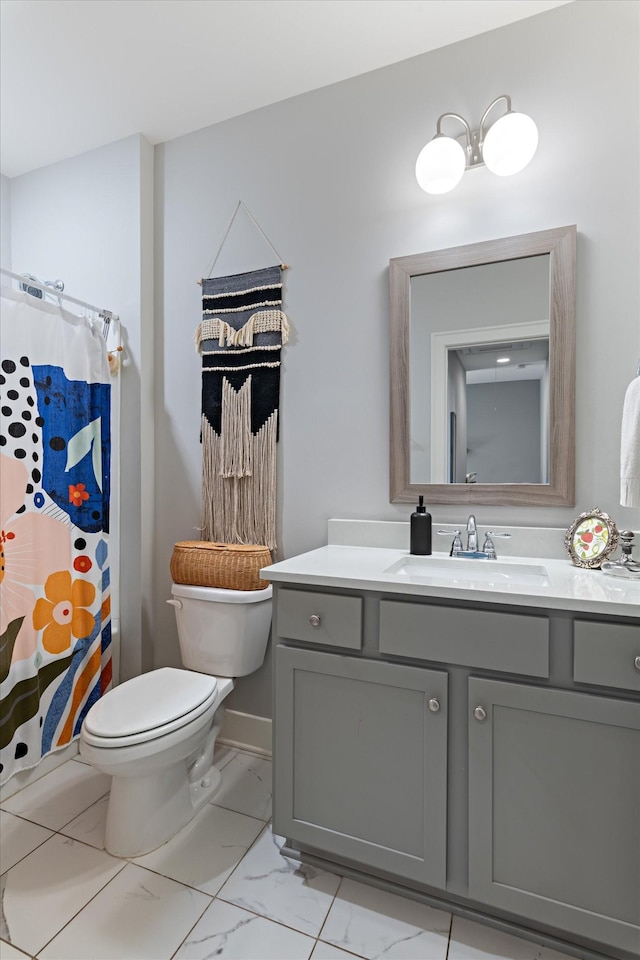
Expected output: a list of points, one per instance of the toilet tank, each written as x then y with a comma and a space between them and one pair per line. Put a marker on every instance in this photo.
222, 632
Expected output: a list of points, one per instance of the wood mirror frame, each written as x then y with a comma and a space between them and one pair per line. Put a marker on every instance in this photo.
560, 244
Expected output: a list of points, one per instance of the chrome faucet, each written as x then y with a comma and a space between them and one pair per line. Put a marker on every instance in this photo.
472, 534
488, 551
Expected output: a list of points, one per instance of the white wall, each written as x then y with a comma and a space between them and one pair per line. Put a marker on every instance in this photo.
5, 223
329, 176
85, 220
510, 454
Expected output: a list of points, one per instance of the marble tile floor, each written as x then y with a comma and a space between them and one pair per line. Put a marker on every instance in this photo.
220, 888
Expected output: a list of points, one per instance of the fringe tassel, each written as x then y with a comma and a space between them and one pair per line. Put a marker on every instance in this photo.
236, 430
260, 322
240, 509
236, 338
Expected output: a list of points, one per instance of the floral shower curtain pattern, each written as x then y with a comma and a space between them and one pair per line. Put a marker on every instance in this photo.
55, 624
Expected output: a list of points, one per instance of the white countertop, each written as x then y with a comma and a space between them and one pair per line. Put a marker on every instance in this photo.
566, 587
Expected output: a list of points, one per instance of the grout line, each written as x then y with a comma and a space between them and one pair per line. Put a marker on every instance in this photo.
78, 912
359, 956
280, 923
190, 931
27, 956
24, 816
5, 872
252, 816
183, 883
250, 847
449, 940
338, 888
97, 800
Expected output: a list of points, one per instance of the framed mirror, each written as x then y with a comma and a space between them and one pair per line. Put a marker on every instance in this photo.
483, 372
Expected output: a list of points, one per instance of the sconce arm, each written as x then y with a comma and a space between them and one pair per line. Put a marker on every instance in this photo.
486, 114
455, 116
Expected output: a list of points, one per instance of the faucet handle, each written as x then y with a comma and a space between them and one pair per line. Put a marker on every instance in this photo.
456, 546
488, 546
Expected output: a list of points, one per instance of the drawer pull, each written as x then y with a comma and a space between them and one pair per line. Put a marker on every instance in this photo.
636, 663
434, 705
314, 620
480, 713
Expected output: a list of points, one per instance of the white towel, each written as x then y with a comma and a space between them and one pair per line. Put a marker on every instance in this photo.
630, 447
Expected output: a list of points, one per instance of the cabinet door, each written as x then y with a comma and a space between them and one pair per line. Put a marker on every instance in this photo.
554, 831
360, 761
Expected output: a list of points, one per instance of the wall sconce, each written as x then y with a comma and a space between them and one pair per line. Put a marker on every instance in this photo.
505, 148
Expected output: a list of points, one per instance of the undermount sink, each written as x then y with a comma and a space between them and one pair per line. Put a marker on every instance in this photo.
463, 571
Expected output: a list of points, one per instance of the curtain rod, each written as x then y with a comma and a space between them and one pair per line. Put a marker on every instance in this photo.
59, 294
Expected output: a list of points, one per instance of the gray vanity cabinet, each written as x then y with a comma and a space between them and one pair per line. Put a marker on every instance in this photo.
485, 757
361, 761
554, 804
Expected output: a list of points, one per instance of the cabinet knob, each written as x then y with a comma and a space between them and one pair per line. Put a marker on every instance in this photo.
434, 705
636, 663
480, 713
314, 620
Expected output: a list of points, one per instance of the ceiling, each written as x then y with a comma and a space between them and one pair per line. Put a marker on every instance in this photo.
77, 74
521, 360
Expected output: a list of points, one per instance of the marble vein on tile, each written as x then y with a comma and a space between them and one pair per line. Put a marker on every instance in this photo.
279, 888
59, 796
475, 941
375, 923
227, 931
246, 786
45, 890
18, 838
204, 853
138, 915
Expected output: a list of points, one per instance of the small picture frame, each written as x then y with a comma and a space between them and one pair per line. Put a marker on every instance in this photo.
591, 538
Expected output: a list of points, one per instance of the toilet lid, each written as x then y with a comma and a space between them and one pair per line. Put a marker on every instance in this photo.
149, 701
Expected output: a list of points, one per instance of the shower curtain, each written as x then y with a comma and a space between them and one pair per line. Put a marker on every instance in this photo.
55, 626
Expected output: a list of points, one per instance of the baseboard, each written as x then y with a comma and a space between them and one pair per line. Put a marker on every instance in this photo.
246, 732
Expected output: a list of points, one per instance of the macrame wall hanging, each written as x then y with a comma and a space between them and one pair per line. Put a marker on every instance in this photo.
240, 339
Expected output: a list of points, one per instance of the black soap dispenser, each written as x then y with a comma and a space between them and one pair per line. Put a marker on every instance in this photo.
420, 534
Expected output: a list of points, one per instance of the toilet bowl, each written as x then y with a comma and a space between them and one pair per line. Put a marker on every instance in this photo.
155, 734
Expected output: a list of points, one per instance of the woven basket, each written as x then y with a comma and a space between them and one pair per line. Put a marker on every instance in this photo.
231, 566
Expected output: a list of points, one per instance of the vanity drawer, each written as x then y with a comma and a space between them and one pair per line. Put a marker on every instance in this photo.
509, 642
606, 654
320, 618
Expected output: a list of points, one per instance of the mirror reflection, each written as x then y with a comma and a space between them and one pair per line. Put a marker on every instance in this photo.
479, 373
498, 413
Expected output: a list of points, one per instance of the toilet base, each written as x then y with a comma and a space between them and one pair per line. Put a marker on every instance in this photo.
145, 812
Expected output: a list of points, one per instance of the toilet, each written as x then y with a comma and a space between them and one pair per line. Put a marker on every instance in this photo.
155, 734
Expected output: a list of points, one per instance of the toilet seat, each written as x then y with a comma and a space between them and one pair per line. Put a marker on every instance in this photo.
149, 706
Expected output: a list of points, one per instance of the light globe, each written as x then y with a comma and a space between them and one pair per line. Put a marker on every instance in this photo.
440, 165
510, 144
